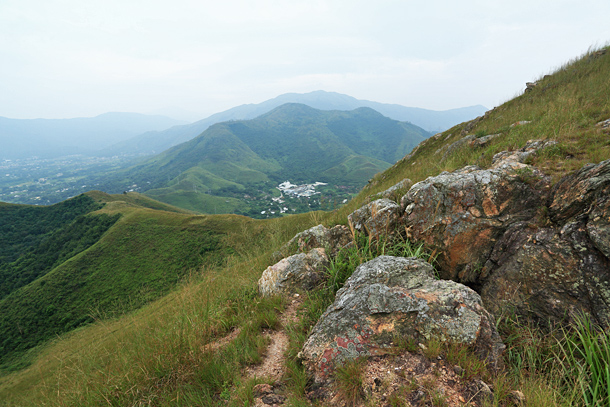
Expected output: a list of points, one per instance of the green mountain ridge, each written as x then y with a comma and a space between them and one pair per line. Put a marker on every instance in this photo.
154, 142
292, 142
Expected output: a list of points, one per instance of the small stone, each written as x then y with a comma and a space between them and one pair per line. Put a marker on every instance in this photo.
461, 399
517, 397
484, 388
262, 389
272, 399
458, 370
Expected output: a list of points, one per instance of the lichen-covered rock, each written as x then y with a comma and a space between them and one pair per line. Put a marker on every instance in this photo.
460, 215
575, 194
395, 192
302, 271
380, 217
395, 297
547, 274
318, 236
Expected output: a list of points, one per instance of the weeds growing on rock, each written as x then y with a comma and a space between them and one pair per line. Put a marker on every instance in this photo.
365, 249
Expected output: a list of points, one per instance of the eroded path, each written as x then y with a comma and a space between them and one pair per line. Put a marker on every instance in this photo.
273, 365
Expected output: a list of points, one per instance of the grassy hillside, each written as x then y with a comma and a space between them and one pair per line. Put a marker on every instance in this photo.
237, 159
168, 352
33, 239
111, 261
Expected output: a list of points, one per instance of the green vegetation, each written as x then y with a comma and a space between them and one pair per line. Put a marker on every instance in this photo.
96, 267
24, 227
187, 343
349, 381
233, 166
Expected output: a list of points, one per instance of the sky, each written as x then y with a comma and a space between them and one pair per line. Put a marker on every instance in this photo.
191, 58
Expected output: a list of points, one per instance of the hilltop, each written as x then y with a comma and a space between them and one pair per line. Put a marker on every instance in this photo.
236, 166
194, 345
155, 142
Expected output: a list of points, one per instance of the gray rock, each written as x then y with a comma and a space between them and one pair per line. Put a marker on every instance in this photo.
547, 275
520, 155
396, 191
575, 194
380, 217
303, 271
318, 236
457, 145
604, 125
460, 215
483, 141
394, 296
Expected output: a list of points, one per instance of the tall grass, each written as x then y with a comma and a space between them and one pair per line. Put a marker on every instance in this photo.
586, 355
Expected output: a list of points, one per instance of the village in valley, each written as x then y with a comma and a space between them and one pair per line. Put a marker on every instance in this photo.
300, 198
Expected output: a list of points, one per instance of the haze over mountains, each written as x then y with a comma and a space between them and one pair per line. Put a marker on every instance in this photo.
154, 142
47, 138
112, 134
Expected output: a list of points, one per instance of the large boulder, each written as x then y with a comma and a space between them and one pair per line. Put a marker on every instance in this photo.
380, 217
303, 271
547, 274
461, 215
394, 297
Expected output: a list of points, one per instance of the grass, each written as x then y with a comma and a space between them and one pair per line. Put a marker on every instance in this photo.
349, 381
168, 350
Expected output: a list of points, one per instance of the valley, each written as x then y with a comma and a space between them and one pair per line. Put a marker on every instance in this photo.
45, 181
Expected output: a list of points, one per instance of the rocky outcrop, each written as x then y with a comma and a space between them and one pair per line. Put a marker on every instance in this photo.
522, 154
393, 297
318, 236
547, 274
503, 231
303, 271
380, 217
461, 215
561, 269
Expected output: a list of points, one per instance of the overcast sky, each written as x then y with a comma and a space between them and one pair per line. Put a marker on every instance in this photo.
78, 58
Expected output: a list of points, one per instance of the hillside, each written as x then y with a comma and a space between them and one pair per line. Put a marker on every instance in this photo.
93, 256
48, 138
197, 345
236, 166
154, 142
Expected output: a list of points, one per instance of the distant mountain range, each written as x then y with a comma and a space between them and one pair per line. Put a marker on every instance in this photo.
48, 138
129, 134
250, 157
154, 142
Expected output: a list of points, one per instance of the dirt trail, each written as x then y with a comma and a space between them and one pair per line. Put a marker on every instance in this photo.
273, 361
